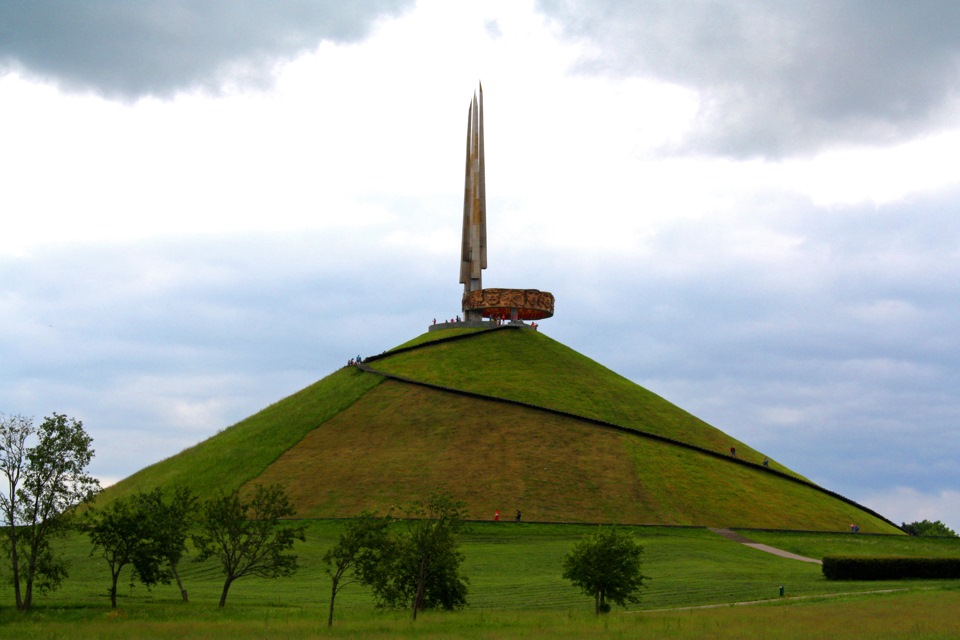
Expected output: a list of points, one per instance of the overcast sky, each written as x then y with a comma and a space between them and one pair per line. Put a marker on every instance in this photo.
747, 207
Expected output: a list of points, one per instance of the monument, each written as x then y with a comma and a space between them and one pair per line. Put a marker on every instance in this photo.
484, 306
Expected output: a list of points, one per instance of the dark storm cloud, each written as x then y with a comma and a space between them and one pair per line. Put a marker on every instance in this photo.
157, 47
777, 78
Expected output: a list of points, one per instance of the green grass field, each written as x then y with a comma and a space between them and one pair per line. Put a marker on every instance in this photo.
516, 591
357, 440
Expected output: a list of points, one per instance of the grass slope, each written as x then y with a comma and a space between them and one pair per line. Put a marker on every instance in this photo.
528, 366
240, 453
400, 441
514, 573
354, 441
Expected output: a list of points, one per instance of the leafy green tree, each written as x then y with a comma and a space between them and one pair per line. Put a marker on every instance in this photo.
170, 524
14, 431
248, 537
44, 483
122, 535
606, 566
422, 570
927, 528
145, 532
363, 546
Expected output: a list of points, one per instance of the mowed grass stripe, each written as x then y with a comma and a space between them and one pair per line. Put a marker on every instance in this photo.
400, 440
854, 511
530, 367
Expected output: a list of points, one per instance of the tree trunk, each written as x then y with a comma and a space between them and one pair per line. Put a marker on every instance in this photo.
31, 569
333, 596
601, 600
421, 588
28, 595
113, 590
176, 574
15, 562
223, 596
28, 587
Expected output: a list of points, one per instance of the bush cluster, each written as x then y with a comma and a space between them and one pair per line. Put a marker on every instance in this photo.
889, 568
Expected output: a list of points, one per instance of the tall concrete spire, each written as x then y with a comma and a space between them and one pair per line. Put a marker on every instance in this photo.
473, 251
515, 306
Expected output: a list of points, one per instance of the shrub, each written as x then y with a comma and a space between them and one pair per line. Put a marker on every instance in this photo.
889, 568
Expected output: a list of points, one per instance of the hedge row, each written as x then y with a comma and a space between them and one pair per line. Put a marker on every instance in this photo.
889, 568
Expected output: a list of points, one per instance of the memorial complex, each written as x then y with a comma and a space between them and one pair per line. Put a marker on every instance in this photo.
502, 418
481, 307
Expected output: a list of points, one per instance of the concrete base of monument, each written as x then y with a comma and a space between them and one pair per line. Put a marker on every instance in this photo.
477, 324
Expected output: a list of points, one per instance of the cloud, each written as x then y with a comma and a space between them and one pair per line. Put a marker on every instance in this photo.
172, 266
159, 47
781, 78
831, 345
905, 504
156, 345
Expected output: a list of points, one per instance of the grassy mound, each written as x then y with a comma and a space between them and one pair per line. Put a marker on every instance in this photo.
401, 440
529, 367
240, 453
357, 440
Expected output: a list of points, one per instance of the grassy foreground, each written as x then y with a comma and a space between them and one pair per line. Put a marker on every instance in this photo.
516, 591
918, 616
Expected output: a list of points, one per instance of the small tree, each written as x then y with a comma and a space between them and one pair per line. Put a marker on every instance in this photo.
927, 528
362, 547
170, 526
423, 570
145, 532
14, 431
123, 535
606, 566
248, 537
44, 483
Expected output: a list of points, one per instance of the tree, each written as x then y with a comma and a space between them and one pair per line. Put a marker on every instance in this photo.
122, 534
422, 570
247, 537
44, 484
927, 528
363, 546
145, 532
170, 526
606, 566
14, 431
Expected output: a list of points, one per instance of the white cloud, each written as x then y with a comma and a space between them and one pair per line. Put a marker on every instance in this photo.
171, 266
906, 504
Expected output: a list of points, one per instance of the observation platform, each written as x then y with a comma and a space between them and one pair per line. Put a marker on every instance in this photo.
477, 324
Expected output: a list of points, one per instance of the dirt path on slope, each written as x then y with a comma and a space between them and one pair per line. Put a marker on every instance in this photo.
733, 536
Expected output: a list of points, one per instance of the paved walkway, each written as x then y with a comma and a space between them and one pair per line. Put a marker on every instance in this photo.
813, 596
736, 537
